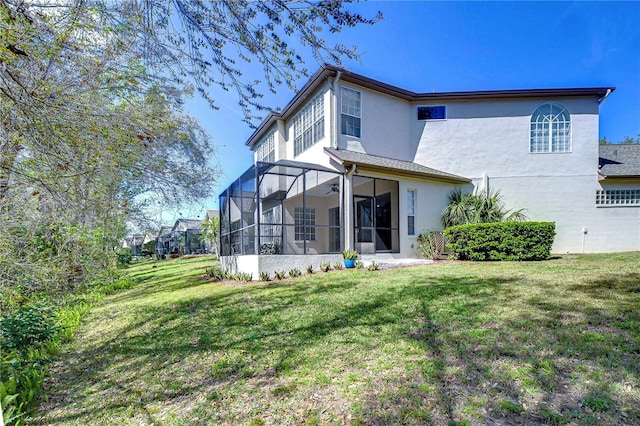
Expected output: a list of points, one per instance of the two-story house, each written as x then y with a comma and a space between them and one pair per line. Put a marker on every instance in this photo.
352, 162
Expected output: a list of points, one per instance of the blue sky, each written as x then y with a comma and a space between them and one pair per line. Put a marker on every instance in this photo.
453, 46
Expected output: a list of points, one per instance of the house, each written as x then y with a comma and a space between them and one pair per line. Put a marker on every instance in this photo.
185, 237
136, 244
352, 162
163, 241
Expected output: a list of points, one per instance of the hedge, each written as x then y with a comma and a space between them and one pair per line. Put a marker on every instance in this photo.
502, 240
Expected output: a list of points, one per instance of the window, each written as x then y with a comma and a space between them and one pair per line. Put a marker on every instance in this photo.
350, 112
308, 125
550, 129
265, 151
438, 112
618, 197
268, 228
301, 216
411, 211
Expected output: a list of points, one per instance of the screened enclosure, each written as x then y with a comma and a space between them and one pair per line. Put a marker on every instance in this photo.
285, 207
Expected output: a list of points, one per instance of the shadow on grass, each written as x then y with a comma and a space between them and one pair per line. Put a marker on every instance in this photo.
478, 344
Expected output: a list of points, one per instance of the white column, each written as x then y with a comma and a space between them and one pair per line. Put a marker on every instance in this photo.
347, 190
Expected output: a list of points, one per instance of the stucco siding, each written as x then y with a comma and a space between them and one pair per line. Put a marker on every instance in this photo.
493, 137
385, 126
569, 201
431, 199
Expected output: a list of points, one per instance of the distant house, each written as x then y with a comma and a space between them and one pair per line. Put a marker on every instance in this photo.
136, 244
163, 241
352, 162
185, 237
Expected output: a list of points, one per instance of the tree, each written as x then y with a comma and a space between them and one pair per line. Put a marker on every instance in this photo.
211, 231
91, 123
626, 141
482, 207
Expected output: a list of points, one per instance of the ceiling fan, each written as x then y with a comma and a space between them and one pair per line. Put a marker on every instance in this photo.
334, 188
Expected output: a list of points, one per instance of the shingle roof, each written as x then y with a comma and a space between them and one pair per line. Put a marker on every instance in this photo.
347, 158
330, 71
184, 224
619, 160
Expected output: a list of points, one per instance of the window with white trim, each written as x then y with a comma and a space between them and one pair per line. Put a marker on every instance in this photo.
411, 211
308, 125
302, 216
550, 129
350, 112
618, 197
265, 151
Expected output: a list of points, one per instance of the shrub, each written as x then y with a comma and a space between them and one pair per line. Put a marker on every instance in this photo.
481, 207
373, 266
124, 256
281, 275
350, 254
310, 269
359, 264
502, 240
244, 276
215, 272
338, 266
264, 276
269, 248
325, 267
27, 327
295, 272
430, 245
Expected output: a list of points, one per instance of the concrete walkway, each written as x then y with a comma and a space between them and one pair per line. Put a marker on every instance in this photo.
388, 261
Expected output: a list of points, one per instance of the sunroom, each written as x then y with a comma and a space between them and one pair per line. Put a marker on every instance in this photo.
282, 209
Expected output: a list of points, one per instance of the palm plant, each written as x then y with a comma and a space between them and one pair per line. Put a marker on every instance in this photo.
211, 231
481, 207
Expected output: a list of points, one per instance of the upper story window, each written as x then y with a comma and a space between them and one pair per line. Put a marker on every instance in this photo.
265, 151
435, 112
308, 125
550, 129
351, 112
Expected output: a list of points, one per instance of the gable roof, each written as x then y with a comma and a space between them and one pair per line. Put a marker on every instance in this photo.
186, 224
330, 71
619, 160
383, 164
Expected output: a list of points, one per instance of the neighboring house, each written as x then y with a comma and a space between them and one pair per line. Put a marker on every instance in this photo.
185, 237
136, 244
163, 241
352, 162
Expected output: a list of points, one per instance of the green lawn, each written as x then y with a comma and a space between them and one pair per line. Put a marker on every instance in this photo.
555, 342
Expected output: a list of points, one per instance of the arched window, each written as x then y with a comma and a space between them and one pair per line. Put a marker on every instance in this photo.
550, 129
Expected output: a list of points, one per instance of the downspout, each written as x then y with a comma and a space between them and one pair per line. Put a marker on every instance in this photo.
334, 110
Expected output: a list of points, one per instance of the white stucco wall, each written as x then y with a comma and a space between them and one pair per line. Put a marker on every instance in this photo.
385, 126
492, 138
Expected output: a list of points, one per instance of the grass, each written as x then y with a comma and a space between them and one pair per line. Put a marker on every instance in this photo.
555, 342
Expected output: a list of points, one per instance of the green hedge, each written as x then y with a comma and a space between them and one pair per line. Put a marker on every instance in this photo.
502, 240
